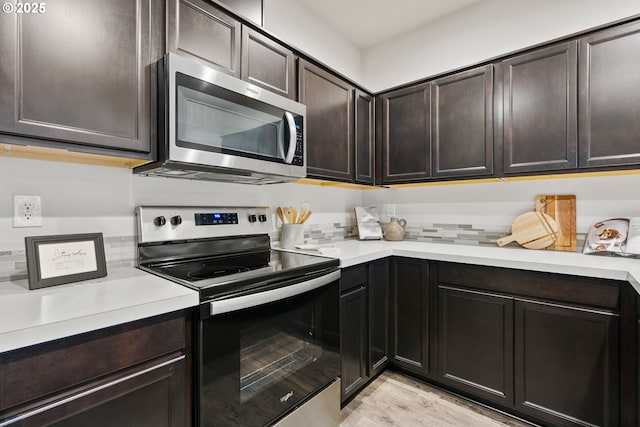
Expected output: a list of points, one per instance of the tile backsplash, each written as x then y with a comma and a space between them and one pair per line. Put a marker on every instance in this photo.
120, 251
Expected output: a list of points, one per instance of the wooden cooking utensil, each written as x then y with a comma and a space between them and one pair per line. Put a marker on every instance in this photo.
280, 214
533, 230
562, 208
306, 213
288, 214
294, 216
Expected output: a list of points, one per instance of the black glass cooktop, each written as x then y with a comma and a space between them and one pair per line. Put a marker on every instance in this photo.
223, 275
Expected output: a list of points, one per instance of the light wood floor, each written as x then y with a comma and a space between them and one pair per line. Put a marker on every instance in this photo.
395, 400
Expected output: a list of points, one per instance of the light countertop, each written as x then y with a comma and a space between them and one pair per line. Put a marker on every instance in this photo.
30, 317
353, 252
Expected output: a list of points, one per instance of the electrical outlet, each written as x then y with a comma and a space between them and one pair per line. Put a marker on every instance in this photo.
305, 205
27, 211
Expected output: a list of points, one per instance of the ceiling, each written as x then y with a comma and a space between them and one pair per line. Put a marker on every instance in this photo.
369, 22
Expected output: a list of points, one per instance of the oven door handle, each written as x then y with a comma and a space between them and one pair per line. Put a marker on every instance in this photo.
259, 298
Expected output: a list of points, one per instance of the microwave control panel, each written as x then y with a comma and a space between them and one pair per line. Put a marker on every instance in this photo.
298, 157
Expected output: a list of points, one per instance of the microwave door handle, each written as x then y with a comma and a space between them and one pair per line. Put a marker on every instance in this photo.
292, 137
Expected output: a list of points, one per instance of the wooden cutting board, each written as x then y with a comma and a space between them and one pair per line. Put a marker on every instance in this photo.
562, 208
533, 230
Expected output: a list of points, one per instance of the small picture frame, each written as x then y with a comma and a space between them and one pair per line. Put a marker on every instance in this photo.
60, 259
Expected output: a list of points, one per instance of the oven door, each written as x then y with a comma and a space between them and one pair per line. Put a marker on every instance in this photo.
257, 363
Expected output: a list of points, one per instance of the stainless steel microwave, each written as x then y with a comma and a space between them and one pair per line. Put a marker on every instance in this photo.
213, 126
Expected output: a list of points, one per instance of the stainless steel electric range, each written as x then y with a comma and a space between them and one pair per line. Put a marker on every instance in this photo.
266, 338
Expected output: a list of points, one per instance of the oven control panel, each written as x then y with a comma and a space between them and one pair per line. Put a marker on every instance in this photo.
167, 223
217, 218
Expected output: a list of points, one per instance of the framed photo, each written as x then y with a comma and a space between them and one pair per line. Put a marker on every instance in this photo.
56, 260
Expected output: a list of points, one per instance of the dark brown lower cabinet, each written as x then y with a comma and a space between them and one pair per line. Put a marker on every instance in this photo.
127, 375
365, 324
547, 347
353, 318
566, 364
476, 343
410, 319
557, 350
152, 396
379, 316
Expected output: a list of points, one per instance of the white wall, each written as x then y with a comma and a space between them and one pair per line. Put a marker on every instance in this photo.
487, 29
81, 198
296, 25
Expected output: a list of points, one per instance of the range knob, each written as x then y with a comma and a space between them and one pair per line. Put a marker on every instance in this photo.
253, 218
176, 220
262, 218
159, 221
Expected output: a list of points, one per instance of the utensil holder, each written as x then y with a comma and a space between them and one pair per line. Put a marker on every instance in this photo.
292, 235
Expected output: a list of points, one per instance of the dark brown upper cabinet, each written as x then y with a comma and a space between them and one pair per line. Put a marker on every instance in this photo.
66, 75
364, 137
199, 30
330, 142
462, 124
268, 64
249, 9
539, 110
609, 97
406, 130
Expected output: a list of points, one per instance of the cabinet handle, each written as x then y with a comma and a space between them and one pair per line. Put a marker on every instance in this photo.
87, 393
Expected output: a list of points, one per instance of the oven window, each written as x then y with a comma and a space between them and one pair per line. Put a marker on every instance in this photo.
259, 363
275, 350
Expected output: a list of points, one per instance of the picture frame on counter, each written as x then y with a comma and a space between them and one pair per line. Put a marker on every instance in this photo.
66, 258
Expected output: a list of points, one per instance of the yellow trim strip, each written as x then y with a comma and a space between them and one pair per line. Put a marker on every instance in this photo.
574, 175
427, 184
323, 183
59, 155
521, 178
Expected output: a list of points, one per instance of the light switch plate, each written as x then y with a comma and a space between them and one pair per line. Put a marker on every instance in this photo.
391, 209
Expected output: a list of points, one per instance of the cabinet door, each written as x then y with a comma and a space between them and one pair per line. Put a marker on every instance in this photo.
475, 340
566, 365
406, 129
353, 340
148, 396
67, 75
203, 32
379, 290
267, 64
249, 9
364, 136
609, 97
462, 124
410, 302
329, 102
539, 110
